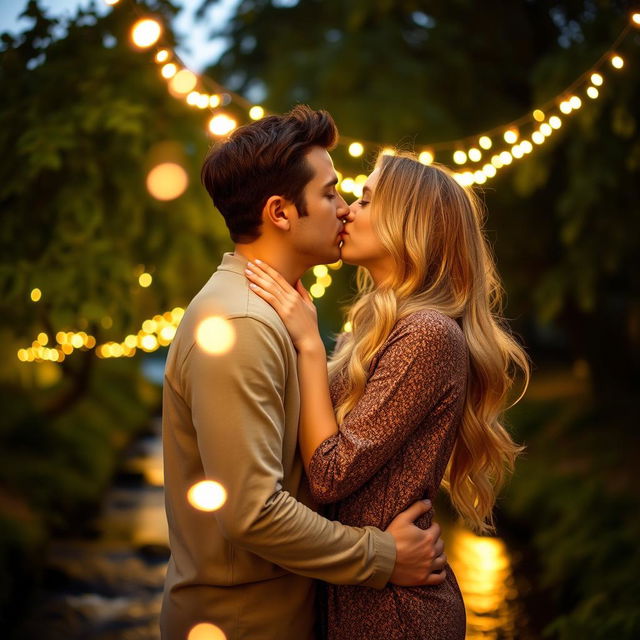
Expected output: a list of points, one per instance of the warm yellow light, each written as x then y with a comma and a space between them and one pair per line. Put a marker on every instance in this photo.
149, 326
169, 70
207, 495
167, 181
592, 92
131, 341
146, 32
320, 270
537, 137
193, 97
489, 170
388, 151
546, 129
526, 146
36, 294
635, 18
325, 281
360, 178
347, 185
617, 62
168, 333
426, 157
145, 279
356, 149
214, 101
215, 335
22, 355
206, 631
459, 157
67, 348
516, 151
565, 107
43, 338
474, 154
183, 82
148, 343
511, 136
575, 102
555, 122
506, 157
76, 340
346, 327
496, 161
479, 177
221, 124
596, 79
256, 112
162, 56
538, 115
466, 178
111, 2
203, 101
316, 290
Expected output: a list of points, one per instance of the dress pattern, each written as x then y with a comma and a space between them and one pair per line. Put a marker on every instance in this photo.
392, 449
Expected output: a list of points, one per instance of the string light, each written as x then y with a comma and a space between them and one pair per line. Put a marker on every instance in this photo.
35, 295
256, 112
426, 157
485, 142
617, 62
356, 149
459, 157
510, 136
221, 124
592, 92
146, 33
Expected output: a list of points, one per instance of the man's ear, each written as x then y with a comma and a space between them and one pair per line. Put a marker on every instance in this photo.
277, 210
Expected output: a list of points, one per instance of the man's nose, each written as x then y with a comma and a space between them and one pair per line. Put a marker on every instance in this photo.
343, 208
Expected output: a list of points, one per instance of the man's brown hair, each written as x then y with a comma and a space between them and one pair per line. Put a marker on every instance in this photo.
263, 159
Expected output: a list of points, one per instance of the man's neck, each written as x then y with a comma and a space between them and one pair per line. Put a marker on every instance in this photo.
285, 265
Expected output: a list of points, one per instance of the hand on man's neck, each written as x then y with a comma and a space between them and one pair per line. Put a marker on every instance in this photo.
286, 265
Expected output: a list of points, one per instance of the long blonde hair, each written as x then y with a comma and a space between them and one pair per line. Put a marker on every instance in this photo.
432, 228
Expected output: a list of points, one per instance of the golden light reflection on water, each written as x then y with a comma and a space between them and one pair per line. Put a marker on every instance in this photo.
206, 631
482, 567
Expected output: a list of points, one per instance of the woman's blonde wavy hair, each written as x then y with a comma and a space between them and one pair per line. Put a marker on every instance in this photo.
432, 228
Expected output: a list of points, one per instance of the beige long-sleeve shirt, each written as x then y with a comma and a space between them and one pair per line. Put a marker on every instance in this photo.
232, 417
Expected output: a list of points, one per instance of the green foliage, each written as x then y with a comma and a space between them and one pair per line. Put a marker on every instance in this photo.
85, 116
577, 479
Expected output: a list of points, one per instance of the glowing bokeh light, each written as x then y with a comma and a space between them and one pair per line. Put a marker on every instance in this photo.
167, 181
145, 279
207, 495
592, 92
459, 156
510, 136
206, 631
146, 32
356, 149
474, 154
485, 142
162, 56
617, 62
215, 335
36, 294
221, 124
256, 112
538, 115
183, 82
426, 157
169, 70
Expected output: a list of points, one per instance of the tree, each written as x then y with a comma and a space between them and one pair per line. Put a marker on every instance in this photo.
564, 222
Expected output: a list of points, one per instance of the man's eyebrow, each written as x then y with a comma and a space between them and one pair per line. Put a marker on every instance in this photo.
331, 182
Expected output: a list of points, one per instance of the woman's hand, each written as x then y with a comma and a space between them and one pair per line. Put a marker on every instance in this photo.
294, 306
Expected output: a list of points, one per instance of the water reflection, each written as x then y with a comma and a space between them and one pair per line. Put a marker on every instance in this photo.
483, 568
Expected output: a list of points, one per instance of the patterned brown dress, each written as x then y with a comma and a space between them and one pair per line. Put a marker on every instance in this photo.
392, 449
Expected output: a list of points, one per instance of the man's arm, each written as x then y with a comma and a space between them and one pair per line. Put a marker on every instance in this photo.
237, 406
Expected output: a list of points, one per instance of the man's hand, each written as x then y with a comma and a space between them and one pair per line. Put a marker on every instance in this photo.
419, 552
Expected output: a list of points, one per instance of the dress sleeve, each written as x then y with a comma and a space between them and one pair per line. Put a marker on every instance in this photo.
413, 373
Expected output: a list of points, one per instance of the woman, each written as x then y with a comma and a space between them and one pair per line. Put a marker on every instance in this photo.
414, 393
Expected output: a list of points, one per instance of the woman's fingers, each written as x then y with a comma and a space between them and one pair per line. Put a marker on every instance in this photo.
272, 273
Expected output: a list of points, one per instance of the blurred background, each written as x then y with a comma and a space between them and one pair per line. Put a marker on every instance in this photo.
106, 234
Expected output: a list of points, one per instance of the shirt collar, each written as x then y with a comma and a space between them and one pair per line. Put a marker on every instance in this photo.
233, 262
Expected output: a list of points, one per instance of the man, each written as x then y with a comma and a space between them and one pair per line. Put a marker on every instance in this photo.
230, 415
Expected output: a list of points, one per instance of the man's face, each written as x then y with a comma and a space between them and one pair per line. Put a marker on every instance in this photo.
315, 236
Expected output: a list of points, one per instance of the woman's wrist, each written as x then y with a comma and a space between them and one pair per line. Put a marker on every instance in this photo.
312, 347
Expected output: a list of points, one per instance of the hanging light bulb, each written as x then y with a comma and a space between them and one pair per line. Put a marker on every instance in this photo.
146, 32
426, 157
596, 79
617, 62
592, 92
459, 156
485, 142
511, 135
538, 115
356, 149
474, 154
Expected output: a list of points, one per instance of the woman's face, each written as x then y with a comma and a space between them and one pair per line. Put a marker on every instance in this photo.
360, 244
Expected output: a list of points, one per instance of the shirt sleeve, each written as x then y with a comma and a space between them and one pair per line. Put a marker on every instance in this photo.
238, 412
412, 374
